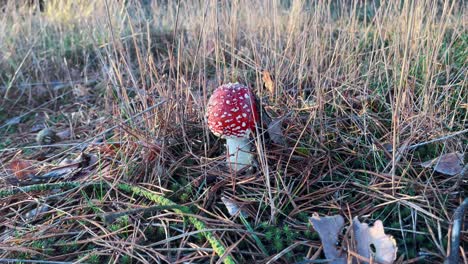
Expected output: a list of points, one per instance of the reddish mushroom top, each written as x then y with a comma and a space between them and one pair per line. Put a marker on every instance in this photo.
231, 111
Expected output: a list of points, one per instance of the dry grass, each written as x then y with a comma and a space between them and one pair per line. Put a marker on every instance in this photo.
352, 80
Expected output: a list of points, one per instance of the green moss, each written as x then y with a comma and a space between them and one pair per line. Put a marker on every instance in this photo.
158, 199
125, 260
67, 248
199, 225
278, 242
93, 259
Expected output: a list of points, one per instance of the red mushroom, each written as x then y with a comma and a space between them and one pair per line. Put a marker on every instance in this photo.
232, 114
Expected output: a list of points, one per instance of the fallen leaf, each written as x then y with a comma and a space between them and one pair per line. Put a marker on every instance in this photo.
233, 208
86, 159
66, 162
328, 228
37, 211
448, 164
61, 172
22, 169
275, 131
366, 237
68, 168
269, 84
65, 134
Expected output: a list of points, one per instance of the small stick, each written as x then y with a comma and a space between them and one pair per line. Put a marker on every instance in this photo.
5, 260
454, 254
436, 140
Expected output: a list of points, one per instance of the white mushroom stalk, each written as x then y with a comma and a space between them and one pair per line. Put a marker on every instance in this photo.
239, 152
232, 114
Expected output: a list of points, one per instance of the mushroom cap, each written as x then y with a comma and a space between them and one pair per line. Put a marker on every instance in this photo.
232, 111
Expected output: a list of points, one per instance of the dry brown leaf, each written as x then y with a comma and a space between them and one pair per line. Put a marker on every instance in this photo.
22, 169
275, 132
448, 164
269, 84
328, 228
366, 237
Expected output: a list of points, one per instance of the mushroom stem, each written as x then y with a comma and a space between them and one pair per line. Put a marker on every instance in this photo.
239, 153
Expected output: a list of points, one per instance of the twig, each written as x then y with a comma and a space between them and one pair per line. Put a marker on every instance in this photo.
436, 140
4, 260
454, 254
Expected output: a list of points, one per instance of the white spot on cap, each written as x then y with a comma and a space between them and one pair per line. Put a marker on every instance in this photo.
246, 96
244, 114
243, 124
228, 102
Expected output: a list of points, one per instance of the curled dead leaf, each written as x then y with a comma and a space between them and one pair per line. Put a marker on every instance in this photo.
329, 228
275, 132
367, 237
448, 164
268, 82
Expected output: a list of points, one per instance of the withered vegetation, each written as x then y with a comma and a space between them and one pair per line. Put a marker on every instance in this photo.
104, 100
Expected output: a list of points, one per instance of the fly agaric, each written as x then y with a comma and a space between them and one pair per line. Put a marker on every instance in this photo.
232, 114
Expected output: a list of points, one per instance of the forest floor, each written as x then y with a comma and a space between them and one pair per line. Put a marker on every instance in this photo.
106, 157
